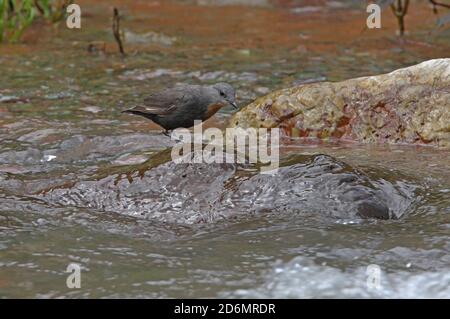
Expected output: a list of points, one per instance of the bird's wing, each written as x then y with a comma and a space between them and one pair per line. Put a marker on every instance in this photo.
143, 109
166, 101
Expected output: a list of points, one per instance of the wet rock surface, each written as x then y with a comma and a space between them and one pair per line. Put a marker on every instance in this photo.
201, 193
410, 105
61, 132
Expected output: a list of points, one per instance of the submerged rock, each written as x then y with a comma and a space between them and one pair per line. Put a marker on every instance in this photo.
410, 105
185, 193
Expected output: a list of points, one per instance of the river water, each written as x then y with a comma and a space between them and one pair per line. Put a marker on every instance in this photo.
73, 188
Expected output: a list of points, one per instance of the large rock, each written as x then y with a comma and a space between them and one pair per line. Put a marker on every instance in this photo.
410, 105
305, 185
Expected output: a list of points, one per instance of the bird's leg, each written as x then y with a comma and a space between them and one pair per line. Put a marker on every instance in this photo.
168, 133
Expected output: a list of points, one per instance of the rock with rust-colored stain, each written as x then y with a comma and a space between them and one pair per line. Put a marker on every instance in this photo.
410, 105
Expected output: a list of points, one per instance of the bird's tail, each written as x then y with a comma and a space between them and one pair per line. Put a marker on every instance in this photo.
131, 111
136, 111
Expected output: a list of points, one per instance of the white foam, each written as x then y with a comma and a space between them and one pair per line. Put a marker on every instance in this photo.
302, 278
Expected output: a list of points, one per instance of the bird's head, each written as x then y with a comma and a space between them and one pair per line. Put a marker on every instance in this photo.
226, 94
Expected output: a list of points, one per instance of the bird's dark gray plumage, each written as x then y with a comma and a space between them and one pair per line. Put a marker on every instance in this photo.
181, 105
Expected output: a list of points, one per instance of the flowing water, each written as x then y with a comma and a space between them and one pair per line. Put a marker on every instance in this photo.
82, 183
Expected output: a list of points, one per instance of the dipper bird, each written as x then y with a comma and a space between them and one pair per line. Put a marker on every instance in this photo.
181, 105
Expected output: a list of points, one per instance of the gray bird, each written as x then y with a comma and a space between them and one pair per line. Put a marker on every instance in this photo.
181, 105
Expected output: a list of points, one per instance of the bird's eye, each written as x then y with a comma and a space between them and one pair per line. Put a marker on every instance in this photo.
222, 93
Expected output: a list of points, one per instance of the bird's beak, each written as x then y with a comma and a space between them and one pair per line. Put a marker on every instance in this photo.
233, 104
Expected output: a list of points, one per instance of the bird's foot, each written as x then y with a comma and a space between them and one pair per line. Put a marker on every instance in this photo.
168, 133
